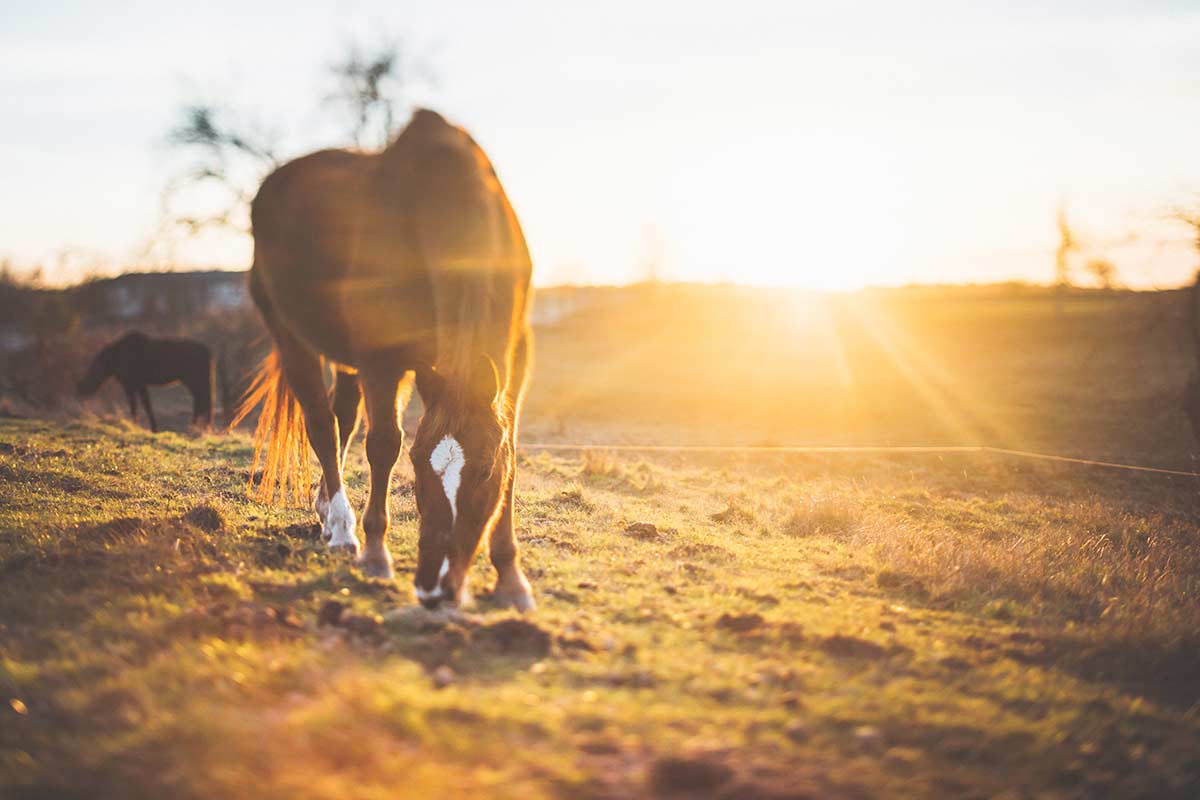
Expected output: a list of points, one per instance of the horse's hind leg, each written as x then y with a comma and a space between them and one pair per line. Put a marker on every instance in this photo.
144, 393
346, 400
381, 392
201, 386
302, 369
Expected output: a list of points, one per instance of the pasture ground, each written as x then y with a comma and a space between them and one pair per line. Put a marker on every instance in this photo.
733, 625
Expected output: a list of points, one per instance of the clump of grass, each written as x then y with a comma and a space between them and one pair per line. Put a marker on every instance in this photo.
572, 497
822, 515
603, 466
734, 513
1088, 564
222, 585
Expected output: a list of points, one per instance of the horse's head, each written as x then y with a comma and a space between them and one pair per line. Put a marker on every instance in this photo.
96, 374
461, 460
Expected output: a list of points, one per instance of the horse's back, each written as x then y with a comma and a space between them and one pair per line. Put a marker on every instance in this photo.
339, 252
458, 190
336, 265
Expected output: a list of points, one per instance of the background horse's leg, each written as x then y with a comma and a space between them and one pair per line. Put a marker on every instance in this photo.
302, 370
144, 393
385, 439
346, 400
201, 387
512, 588
131, 396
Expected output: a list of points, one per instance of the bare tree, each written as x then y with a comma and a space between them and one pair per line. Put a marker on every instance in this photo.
225, 151
227, 154
1104, 271
370, 86
1192, 220
1067, 243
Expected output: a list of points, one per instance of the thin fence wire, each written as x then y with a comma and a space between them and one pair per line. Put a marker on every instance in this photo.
852, 449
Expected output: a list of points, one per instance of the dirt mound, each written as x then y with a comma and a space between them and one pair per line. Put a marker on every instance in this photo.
852, 647
515, 637
740, 623
205, 517
116, 529
644, 531
673, 775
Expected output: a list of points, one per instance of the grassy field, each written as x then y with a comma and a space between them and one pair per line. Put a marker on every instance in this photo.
734, 625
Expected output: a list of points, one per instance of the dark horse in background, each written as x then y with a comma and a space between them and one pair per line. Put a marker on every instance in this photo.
138, 361
408, 264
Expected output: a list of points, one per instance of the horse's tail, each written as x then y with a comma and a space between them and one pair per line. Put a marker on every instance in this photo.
280, 438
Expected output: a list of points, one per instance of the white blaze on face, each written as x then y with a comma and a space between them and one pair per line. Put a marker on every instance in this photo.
447, 460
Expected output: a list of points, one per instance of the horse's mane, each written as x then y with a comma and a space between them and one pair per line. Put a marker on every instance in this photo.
478, 265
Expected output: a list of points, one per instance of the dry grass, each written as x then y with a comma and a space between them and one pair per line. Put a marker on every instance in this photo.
1087, 562
831, 626
864, 627
822, 515
605, 467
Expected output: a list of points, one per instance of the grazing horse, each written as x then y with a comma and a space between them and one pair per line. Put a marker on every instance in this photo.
399, 266
138, 361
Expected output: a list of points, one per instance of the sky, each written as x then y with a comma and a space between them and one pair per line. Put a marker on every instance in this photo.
822, 145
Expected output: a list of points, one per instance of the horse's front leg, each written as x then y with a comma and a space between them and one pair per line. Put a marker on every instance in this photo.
144, 393
385, 439
512, 587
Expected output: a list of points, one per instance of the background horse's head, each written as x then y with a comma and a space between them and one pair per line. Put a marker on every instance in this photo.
97, 373
461, 458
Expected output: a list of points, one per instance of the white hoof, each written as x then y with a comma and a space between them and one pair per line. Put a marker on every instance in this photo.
340, 523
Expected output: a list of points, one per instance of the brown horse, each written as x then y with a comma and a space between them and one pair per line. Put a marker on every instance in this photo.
138, 361
405, 263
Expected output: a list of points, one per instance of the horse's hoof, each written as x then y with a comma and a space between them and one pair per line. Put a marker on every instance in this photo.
376, 566
513, 591
521, 601
345, 548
